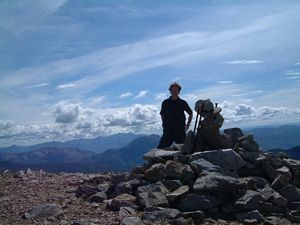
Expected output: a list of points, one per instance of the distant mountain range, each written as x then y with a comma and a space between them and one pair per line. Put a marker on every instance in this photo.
120, 152
283, 137
292, 152
54, 159
97, 145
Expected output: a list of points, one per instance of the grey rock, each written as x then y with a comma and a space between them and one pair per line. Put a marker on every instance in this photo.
216, 182
273, 197
269, 170
294, 216
285, 171
85, 191
291, 193
133, 220
43, 211
152, 195
201, 164
297, 178
126, 211
165, 154
249, 144
249, 201
171, 185
194, 202
197, 215
234, 133
175, 170
155, 172
225, 158
292, 164
280, 182
179, 221
250, 215
122, 200
181, 191
98, 197
160, 213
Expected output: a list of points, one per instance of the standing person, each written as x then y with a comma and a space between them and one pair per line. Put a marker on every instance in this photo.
173, 118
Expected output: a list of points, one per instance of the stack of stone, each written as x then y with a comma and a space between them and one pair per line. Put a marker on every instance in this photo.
241, 183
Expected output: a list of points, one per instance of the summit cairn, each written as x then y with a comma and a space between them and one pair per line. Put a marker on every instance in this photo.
212, 178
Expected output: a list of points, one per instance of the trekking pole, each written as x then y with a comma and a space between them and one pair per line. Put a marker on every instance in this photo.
196, 121
199, 123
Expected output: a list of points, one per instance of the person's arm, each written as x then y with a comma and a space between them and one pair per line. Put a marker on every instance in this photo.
162, 111
190, 112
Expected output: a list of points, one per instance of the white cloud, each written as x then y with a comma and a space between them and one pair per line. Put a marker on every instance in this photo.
66, 112
161, 96
243, 62
292, 73
63, 86
297, 64
125, 94
37, 85
141, 94
225, 82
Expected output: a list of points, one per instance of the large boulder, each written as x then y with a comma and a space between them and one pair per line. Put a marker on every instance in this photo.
225, 158
122, 200
216, 182
155, 172
194, 202
43, 211
160, 153
177, 193
152, 195
291, 193
249, 201
179, 171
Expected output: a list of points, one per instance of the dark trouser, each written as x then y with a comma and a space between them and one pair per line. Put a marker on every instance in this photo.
176, 134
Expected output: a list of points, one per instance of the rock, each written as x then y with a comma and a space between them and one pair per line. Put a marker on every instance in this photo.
103, 187
274, 197
269, 170
294, 216
85, 191
179, 171
292, 164
152, 195
249, 201
291, 193
198, 215
159, 213
234, 134
253, 215
177, 193
29, 171
297, 178
226, 158
269, 208
122, 201
188, 144
194, 202
179, 221
156, 152
155, 172
248, 155
133, 220
295, 205
216, 182
285, 171
201, 164
274, 220
98, 197
126, 211
249, 144
280, 181
171, 185
43, 211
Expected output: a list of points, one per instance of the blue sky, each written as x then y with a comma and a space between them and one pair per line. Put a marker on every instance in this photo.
79, 69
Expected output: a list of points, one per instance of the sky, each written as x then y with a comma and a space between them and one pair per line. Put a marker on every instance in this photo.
80, 69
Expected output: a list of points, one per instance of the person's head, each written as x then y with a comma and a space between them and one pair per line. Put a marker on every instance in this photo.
175, 89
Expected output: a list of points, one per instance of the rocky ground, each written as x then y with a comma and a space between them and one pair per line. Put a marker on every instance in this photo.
176, 186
